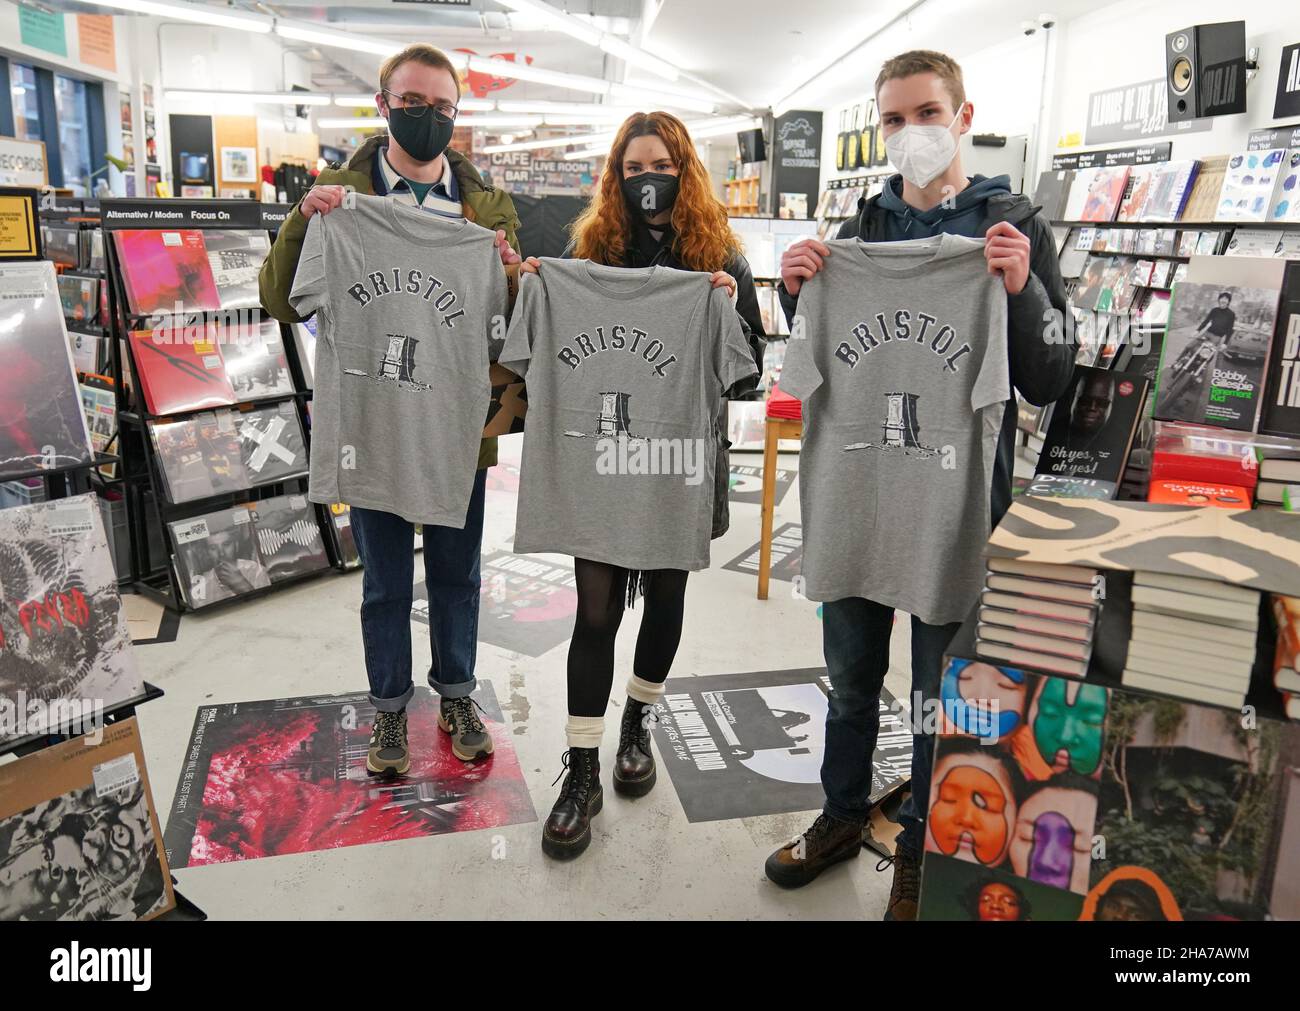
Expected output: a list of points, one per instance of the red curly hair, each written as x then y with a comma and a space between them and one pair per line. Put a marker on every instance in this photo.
703, 239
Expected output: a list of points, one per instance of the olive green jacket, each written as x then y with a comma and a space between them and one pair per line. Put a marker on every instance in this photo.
484, 205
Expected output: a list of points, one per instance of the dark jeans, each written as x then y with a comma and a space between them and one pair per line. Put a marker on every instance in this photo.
386, 544
855, 636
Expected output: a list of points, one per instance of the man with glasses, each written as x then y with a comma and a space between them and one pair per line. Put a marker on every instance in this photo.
419, 92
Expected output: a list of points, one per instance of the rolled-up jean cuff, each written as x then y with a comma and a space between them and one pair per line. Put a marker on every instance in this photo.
393, 705
456, 690
840, 814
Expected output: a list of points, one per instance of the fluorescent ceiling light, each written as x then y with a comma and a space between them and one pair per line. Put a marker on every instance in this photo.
654, 98
537, 145
250, 97
565, 119
574, 108
493, 119
339, 40
699, 131
351, 123
638, 57
527, 72
556, 19
354, 101
199, 13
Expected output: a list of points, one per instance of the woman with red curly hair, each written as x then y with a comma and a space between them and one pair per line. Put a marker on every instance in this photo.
655, 206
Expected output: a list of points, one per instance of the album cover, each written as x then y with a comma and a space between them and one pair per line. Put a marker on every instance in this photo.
235, 259
49, 430
1170, 190
85, 350
94, 255
1286, 202
1105, 189
79, 297
1196, 815
166, 271
341, 516
255, 361
1137, 191
99, 404
1114, 284
1204, 201
181, 368
1089, 288
1282, 391
304, 339
289, 537
1215, 353
1053, 192
1092, 427
63, 632
271, 443
79, 836
200, 456
1250, 185
62, 244
217, 556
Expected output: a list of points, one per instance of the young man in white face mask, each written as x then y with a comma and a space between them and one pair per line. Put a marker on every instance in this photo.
923, 113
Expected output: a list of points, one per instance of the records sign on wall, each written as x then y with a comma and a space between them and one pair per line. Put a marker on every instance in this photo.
48, 431
66, 648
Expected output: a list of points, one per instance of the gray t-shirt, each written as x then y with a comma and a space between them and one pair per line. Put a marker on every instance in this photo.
625, 370
903, 373
406, 306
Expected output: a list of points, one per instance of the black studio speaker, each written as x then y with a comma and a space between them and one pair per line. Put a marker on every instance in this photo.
1205, 70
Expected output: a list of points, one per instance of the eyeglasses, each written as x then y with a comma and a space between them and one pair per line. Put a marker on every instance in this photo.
415, 106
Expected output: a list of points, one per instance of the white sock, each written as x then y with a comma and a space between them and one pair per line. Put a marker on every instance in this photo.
585, 731
645, 692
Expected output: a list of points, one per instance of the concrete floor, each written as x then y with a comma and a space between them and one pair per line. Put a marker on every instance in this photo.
645, 860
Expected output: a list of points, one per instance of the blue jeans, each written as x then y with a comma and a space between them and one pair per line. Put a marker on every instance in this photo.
386, 544
855, 639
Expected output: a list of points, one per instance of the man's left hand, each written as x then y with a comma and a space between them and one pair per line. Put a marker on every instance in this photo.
508, 255
1007, 251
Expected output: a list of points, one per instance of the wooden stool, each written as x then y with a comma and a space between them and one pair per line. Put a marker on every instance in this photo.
777, 429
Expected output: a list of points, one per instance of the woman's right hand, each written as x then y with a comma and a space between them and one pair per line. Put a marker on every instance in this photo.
321, 200
530, 265
801, 261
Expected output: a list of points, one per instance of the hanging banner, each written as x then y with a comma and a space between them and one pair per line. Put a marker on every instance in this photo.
42, 30
796, 162
1134, 112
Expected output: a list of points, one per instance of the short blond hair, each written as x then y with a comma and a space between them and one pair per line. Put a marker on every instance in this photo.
926, 61
420, 52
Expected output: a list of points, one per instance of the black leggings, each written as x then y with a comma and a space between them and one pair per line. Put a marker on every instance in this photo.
602, 590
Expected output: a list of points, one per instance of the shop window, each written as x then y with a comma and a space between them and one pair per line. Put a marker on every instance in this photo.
26, 102
70, 101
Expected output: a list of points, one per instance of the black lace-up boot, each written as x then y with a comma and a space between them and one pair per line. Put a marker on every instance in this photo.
634, 768
567, 831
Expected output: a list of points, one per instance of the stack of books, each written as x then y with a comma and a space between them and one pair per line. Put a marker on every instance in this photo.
1038, 615
1192, 638
1286, 667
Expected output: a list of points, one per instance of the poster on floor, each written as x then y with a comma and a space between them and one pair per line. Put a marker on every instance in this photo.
747, 484
525, 605
267, 778
787, 554
741, 745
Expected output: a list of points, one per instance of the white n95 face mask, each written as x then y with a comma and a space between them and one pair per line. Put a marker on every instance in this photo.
922, 153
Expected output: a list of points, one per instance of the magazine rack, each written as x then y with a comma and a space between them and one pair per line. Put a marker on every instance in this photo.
142, 469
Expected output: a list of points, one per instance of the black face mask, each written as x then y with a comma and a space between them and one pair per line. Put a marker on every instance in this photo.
650, 193
422, 137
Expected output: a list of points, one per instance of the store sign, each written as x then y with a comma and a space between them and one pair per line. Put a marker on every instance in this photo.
1115, 156
1274, 136
1288, 83
1135, 112
797, 164
19, 236
274, 215
97, 40
42, 29
128, 213
524, 172
22, 162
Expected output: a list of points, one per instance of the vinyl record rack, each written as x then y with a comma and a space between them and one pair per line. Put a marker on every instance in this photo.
142, 471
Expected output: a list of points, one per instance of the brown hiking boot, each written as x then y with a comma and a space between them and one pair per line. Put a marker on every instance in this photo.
905, 892
826, 843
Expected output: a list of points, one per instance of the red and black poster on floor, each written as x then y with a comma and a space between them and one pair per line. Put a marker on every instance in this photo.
740, 745
264, 779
